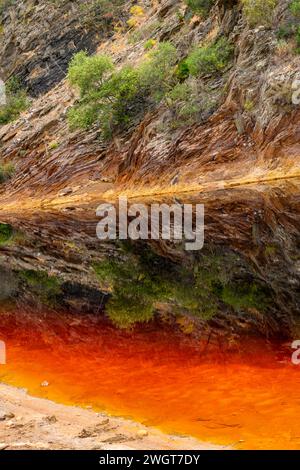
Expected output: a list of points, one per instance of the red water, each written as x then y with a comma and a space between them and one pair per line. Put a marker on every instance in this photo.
159, 377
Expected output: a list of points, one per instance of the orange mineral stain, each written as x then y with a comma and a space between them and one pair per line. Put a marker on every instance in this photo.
250, 400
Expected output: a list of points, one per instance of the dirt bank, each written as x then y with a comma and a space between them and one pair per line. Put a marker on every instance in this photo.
33, 423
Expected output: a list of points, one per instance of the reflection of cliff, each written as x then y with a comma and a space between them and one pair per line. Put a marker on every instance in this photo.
8, 285
244, 281
242, 152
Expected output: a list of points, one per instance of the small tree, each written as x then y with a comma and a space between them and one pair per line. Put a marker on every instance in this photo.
117, 98
88, 73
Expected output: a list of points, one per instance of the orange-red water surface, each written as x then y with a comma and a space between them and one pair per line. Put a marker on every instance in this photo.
157, 376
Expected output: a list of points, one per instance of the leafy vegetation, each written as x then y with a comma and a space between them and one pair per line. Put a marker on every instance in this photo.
259, 12
116, 98
6, 172
144, 279
137, 13
295, 8
149, 44
6, 234
209, 59
182, 101
290, 29
16, 101
298, 40
46, 288
201, 7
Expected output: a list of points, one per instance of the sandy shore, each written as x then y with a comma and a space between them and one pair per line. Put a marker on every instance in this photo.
33, 423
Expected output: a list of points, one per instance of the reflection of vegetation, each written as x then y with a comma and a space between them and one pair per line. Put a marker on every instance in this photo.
10, 236
244, 295
144, 279
17, 101
6, 234
46, 288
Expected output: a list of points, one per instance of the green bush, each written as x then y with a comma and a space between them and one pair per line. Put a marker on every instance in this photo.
89, 73
182, 101
259, 12
157, 73
149, 44
286, 31
16, 102
117, 98
6, 172
200, 6
209, 59
295, 8
298, 39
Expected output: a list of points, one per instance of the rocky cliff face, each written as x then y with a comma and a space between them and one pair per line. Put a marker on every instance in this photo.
38, 39
248, 138
250, 134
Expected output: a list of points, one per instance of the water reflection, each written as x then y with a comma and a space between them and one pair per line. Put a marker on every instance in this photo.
125, 327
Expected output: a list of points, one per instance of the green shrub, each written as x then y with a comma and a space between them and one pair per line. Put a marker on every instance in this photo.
117, 98
285, 31
182, 101
298, 39
6, 172
259, 12
53, 145
209, 59
149, 44
16, 102
295, 8
89, 73
157, 73
200, 6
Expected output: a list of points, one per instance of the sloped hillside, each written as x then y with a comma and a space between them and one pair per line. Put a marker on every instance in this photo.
230, 120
